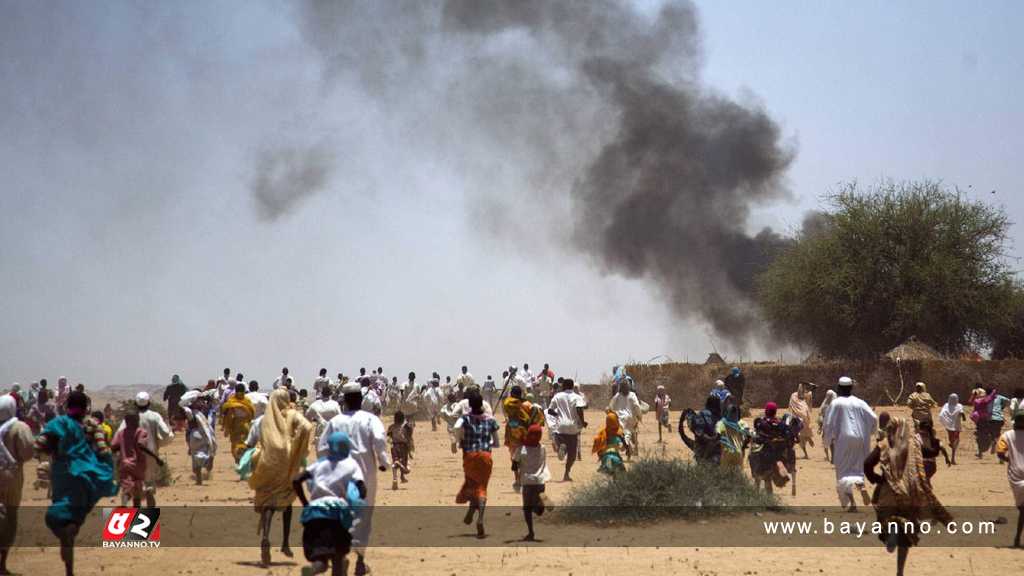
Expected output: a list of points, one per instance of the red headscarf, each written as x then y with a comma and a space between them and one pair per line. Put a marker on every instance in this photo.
533, 435
770, 409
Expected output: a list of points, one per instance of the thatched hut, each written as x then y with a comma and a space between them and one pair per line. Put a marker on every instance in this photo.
714, 359
913, 349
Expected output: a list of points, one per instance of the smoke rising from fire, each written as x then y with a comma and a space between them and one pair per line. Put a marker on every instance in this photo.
598, 113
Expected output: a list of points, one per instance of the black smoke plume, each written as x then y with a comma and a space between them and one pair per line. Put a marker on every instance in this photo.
662, 171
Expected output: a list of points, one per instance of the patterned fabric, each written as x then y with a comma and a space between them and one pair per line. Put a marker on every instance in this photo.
477, 433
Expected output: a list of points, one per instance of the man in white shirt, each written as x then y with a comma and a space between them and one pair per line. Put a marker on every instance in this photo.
567, 411
371, 401
490, 390
627, 407
464, 380
526, 378
433, 401
408, 387
369, 449
282, 380
259, 399
321, 381
322, 410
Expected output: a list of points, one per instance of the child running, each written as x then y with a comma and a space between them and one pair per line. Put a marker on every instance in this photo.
952, 418
400, 437
130, 446
533, 474
335, 488
931, 447
81, 472
662, 401
608, 443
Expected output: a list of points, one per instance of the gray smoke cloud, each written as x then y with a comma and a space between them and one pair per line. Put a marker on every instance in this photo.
284, 175
591, 113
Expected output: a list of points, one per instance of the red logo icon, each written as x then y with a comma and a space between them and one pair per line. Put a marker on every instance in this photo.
131, 527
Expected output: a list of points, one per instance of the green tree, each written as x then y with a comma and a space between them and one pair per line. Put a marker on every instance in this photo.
890, 262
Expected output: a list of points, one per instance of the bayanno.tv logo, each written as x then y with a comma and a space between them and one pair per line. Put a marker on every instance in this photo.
131, 528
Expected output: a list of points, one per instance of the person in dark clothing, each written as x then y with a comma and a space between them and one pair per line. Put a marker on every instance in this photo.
172, 398
706, 445
735, 382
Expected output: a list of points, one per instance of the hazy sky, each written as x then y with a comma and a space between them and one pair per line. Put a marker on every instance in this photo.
135, 140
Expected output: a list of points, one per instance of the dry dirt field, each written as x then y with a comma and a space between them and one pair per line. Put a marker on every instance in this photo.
436, 477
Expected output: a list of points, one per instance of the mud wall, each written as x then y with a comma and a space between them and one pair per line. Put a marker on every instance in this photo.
688, 384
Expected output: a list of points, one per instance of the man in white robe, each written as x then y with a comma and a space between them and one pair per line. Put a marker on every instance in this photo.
372, 402
433, 401
464, 380
321, 381
370, 451
259, 399
850, 425
322, 410
525, 378
408, 387
627, 407
158, 434
282, 380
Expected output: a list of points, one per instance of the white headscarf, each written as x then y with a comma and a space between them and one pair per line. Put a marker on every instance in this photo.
829, 397
8, 408
950, 412
8, 413
142, 399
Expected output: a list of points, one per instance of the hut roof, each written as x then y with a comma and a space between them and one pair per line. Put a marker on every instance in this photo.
913, 349
714, 359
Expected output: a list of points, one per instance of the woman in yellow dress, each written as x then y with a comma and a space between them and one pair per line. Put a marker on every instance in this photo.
282, 446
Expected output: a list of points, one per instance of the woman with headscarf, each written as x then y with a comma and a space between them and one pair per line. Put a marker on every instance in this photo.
534, 474
800, 406
982, 400
822, 416
282, 446
608, 445
721, 392
706, 445
952, 417
734, 436
517, 420
16, 448
81, 472
902, 493
199, 436
920, 403
336, 491
237, 413
772, 459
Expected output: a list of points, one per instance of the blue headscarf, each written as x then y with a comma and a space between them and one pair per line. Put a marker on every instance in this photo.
338, 446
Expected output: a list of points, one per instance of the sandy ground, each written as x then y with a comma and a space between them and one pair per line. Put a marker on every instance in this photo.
437, 475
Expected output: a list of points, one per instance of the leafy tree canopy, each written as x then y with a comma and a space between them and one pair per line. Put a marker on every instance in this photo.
890, 262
